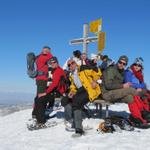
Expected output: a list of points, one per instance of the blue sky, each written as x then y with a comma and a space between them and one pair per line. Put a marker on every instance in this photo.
28, 25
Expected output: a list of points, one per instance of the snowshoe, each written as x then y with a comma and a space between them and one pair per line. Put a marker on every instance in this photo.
37, 126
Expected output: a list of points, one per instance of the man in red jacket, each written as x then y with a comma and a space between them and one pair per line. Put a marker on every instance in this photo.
42, 68
42, 77
58, 85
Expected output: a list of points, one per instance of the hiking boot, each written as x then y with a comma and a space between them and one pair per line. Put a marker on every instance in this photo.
146, 115
69, 126
135, 122
78, 133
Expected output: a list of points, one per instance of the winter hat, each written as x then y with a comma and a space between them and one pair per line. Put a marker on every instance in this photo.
139, 61
77, 53
124, 58
53, 59
47, 47
105, 57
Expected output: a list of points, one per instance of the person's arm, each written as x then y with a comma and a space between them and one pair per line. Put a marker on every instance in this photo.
72, 87
138, 85
129, 77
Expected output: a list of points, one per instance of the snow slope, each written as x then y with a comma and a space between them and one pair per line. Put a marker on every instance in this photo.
15, 136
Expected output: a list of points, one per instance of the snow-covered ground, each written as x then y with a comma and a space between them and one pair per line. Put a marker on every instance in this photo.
15, 136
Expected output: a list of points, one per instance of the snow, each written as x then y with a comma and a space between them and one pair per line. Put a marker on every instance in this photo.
15, 136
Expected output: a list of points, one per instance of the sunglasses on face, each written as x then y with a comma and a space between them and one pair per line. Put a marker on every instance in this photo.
53, 62
138, 65
120, 62
70, 64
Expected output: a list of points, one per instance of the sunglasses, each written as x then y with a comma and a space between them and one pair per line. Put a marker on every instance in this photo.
120, 62
72, 63
53, 62
138, 65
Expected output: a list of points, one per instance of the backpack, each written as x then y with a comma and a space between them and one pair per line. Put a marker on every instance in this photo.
115, 123
31, 66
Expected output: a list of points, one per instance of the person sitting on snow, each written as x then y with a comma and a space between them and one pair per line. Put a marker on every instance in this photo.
115, 90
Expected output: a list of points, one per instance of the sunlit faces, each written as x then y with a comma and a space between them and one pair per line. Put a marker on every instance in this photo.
71, 65
122, 64
83, 56
137, 67
45, 50
54, 64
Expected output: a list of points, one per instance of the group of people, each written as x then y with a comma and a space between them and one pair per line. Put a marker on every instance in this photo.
81, 81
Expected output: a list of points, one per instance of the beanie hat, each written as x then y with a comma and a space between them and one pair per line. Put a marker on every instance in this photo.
53, 59
105, 57
124, 58
139, 61
47, 47
77, 53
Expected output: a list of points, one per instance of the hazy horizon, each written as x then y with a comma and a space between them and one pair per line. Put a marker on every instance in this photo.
7, 98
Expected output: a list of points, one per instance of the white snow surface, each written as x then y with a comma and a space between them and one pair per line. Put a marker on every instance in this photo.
15, 136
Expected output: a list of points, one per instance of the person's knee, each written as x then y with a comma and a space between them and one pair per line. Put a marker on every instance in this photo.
128, 99
64, 101
76, 105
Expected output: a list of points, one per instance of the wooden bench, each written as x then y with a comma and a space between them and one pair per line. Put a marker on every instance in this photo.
99, 103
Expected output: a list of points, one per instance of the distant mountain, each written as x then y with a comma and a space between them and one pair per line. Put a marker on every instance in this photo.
16, 97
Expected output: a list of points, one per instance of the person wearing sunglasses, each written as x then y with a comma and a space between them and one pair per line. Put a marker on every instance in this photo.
115, 90
134, 74
57, 86
83, 88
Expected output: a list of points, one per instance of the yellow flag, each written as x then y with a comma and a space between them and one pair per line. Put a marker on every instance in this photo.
94, 25
101, 41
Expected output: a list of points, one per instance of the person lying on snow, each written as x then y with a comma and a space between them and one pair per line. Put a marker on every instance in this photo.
115, 90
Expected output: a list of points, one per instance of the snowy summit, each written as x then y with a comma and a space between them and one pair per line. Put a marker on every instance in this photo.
15, 135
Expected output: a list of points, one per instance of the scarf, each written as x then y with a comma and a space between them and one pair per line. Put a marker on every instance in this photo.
138, 74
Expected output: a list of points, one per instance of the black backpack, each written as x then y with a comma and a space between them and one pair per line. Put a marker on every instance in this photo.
31, 66
115, 123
